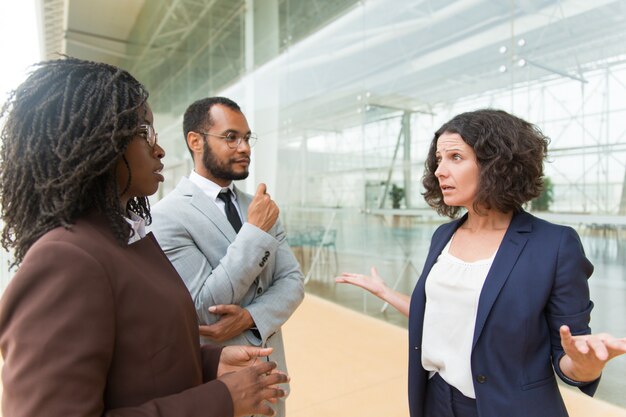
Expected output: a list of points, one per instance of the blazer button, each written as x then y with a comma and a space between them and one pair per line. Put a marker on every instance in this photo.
416, 347
481, 379
259, 290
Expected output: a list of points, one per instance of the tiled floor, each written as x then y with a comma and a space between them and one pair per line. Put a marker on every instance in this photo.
344, 364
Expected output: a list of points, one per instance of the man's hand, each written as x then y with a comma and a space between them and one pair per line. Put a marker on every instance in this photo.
234, 320
251, 388
263, 211
235, 358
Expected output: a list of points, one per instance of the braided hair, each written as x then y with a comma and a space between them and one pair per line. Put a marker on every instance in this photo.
64, 130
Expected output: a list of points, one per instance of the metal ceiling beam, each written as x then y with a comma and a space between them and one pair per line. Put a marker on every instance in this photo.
189, 61
168, 26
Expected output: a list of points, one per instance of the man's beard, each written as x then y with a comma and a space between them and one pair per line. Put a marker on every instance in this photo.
218, 168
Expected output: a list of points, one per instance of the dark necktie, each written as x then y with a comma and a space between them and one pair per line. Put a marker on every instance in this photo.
231, 210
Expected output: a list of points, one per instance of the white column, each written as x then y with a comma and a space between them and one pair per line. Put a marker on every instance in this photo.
261, 104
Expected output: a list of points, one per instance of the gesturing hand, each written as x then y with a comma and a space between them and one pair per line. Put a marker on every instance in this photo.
377, 286
235, 358
234, 320
262, 211
251, 388
587, 355
374, 284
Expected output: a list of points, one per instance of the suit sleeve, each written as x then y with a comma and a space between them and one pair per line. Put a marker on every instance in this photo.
569, 301
210, 361
231, 278
57, 333
276, 304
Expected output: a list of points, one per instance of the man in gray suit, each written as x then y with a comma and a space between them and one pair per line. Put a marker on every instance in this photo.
228, 246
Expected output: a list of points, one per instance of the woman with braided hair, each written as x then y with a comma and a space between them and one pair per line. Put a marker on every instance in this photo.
96, 320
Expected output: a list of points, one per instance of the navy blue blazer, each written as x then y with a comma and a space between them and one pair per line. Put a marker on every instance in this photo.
537, 282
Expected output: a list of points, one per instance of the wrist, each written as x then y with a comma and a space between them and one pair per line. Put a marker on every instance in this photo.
384, 293
576, 373
249, 321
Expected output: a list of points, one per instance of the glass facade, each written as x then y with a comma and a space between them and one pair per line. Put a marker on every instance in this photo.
345, 104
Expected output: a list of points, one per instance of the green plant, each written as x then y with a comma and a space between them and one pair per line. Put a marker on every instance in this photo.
545, 199
397, 194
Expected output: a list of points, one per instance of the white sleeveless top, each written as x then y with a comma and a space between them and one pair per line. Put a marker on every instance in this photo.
453, 288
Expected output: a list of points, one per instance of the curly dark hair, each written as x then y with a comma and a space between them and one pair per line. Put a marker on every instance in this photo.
510, 154
65, 128
198, 115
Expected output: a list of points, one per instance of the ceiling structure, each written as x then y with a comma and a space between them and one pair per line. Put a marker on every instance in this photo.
178, 48
339, 61
429, 53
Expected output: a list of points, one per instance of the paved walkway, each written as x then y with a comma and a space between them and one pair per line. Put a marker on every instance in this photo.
345, 364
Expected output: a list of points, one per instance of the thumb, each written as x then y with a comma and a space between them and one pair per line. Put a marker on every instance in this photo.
254, 351
374, 271
219, 309
261, 189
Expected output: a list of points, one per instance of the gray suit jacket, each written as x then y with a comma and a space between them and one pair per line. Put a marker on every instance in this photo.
253, 269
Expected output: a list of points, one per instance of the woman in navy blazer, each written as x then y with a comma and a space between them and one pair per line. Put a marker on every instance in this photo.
531, 311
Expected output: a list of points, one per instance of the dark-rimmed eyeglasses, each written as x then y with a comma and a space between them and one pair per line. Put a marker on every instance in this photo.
148, 132
233, 140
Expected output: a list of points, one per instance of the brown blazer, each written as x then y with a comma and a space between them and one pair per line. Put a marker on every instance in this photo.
92, 328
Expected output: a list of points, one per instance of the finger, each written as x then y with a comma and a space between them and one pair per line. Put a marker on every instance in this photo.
566, 335
275, 378
207, 330
264, 409
273, 393
265, 367
254, 351
344, 278
347, 280
581, 346
260, 190
215, 309
375, 272
616, 346
598, 348
278, 371
223, 309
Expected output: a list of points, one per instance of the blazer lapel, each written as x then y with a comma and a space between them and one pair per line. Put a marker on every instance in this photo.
509, 251
440, 243
243, 202
207, 208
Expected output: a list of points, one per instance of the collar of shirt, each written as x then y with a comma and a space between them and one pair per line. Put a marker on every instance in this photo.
138, 225
210, 188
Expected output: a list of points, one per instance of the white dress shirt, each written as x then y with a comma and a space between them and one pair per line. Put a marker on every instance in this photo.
453, 288
138, 224
212, 189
